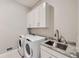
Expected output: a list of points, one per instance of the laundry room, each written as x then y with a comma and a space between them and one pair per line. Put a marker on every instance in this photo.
39, 29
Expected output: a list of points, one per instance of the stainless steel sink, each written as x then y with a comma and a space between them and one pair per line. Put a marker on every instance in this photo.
49, 43
56, 44
61, 46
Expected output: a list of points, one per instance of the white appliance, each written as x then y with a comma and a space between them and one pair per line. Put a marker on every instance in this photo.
16, 53
32, 46
21, 40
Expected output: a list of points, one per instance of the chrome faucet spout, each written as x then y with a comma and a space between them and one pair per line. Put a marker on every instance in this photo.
57, 34
59, 37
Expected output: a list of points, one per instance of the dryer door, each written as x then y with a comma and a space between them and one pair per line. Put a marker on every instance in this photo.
28, 51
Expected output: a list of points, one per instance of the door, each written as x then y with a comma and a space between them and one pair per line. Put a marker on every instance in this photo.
28, 51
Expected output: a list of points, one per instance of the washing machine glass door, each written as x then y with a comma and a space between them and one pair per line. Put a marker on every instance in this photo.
20, 44
28, 51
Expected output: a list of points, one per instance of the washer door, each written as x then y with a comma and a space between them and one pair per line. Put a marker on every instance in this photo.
28, 51
20, 43
20, 47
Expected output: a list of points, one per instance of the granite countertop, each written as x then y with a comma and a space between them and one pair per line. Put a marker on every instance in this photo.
71, 55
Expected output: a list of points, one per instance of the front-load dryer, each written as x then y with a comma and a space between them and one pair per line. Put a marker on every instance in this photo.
32, 46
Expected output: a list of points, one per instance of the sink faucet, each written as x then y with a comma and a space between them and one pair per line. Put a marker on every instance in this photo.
59, 38
57, 34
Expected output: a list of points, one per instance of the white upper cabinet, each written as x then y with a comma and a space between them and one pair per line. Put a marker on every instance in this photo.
38, 17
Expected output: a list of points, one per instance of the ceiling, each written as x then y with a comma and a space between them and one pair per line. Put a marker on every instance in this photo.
27, 3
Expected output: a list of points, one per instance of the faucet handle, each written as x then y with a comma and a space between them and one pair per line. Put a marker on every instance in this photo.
63, 39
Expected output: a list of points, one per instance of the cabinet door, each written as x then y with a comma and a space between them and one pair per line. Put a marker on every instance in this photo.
30, 21
36, 17
53, 52
44, 54
39, 14
33, 18
42, 15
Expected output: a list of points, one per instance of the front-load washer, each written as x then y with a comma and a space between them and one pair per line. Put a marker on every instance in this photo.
32, 46
21, 40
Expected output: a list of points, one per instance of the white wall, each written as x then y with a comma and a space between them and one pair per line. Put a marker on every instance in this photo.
12, 23
77, 47
65, 18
